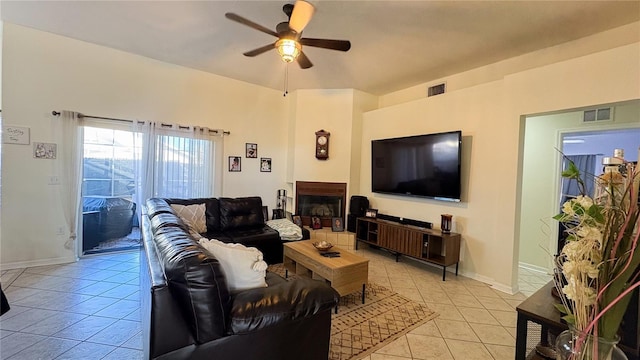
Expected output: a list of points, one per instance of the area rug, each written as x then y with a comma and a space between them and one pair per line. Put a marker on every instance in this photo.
358, 330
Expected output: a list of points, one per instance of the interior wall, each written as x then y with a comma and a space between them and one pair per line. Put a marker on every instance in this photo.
332, 111
489, 116
45, 72
540, 175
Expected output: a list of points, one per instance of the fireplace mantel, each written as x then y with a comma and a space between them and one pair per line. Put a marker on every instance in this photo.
329, 197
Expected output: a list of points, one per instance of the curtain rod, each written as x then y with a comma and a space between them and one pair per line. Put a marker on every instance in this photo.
57, 113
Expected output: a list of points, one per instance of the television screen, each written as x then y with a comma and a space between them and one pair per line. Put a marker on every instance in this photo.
422, 165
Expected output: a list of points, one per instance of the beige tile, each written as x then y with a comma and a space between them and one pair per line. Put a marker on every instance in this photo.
399, 347
517, 296
465, 350
514, 303
376, 356
402, 282
466, 301
494, 303
456, 290
446, 312
493, 334
479, 316
458, 330
428, 347
438, 297
500, 352
428, 329
505, 318
512, 331
485, 291
412, 294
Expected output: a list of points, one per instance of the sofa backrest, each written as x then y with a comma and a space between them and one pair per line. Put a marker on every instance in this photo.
194, 277
240, 212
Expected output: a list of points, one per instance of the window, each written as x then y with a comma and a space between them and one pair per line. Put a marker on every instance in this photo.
108, 164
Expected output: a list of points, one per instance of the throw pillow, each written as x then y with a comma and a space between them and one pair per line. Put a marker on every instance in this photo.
192, 214
243, 267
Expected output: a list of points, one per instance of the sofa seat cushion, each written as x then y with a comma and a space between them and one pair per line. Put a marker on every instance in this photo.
197, 282
282, 301
244, 267
240, 213
256, 234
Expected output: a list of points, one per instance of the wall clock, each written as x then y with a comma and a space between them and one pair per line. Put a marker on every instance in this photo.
322, 145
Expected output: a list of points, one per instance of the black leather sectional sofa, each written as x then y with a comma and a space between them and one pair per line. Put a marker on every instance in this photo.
232, 220
188, 311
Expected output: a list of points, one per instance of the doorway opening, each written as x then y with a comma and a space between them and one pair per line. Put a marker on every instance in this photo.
109, 220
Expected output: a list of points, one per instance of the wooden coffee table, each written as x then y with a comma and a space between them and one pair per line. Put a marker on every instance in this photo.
346, 274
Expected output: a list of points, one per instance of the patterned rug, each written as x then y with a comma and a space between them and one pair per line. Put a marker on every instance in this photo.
358, 330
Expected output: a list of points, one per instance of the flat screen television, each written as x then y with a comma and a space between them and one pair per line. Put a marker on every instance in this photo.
423, 165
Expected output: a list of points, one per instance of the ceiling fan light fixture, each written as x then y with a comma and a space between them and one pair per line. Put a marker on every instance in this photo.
288, 49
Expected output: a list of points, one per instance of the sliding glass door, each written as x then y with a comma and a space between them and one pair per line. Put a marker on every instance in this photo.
122, 167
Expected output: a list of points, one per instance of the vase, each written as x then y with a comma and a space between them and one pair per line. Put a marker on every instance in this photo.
574, 345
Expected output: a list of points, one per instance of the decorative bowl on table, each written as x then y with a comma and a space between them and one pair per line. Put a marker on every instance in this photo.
322, 245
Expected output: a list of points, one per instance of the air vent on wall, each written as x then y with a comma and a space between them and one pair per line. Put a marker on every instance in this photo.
435, 90
603, 114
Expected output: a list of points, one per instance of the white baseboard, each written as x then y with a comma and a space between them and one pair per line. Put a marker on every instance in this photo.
498, 286
535, 268
40, 262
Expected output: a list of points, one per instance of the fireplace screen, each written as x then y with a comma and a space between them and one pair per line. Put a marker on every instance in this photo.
322, 199
320, 205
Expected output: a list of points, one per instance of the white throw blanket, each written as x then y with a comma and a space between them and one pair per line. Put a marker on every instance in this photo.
286, 229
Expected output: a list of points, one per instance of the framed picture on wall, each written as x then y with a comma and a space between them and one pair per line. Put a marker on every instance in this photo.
235, 164
252, 150
265, 164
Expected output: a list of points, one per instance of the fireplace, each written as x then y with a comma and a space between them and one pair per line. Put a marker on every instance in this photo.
322, 199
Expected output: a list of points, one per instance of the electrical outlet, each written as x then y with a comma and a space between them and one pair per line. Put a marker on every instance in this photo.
60, 230
54, 180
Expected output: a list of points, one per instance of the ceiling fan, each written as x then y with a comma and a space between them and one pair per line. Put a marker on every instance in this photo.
289, 34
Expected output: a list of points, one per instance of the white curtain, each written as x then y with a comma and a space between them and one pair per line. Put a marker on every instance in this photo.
177, 161
143, 162
70, 169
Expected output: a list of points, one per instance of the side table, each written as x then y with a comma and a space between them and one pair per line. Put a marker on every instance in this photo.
538, 308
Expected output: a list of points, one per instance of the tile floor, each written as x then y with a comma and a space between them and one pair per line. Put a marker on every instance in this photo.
90, 310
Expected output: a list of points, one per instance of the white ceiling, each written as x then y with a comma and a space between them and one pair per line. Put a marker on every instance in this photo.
395, 44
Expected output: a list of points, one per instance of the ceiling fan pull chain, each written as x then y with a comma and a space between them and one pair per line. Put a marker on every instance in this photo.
286, 79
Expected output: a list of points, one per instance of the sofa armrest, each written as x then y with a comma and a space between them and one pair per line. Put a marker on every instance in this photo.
255, 309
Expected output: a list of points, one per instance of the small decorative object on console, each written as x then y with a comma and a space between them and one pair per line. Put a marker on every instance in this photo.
316, 223
322, 245
371, 213
322, 145
337, 224
445, 223
297, 219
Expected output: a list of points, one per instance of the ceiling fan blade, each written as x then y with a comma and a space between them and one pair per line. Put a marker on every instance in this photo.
340, 45
259, 50
302, 13
304, 61
249, 23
